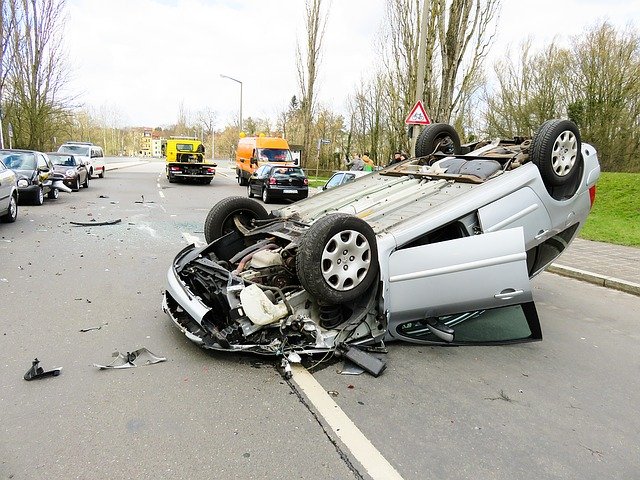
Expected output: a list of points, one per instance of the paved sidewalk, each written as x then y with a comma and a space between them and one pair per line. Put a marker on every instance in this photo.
612, 266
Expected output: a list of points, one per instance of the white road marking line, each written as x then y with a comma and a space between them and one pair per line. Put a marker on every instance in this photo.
161, 193
359, 445
193, 239
158, 184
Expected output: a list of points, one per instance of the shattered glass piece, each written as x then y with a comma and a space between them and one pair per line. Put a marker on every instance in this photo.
139, 357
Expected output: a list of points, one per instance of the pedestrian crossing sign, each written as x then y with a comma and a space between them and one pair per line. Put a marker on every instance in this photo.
418, 115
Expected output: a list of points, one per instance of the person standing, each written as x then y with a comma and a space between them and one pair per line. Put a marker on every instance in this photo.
355, 163
368, 163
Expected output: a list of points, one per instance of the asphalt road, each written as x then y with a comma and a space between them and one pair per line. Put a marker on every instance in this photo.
561, 408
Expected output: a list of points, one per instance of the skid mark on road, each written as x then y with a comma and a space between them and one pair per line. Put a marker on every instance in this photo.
359, 445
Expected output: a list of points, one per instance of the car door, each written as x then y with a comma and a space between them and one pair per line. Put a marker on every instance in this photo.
255, 181
454, 280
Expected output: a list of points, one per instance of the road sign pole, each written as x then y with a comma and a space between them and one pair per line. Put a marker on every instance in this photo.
420, 74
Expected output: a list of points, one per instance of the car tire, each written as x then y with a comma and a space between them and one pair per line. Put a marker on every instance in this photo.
266, 198
38, 198
53, 194
440, 137
86, 181
249, 192
556, 151
91, 172
171, 178
221, 218
76, 186
12, 213
101, 174
332, 276
243, 182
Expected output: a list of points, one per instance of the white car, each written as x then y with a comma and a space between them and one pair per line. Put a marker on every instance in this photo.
438, 249
343, 176
91, 155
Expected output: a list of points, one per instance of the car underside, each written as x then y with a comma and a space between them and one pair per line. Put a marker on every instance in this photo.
437, 247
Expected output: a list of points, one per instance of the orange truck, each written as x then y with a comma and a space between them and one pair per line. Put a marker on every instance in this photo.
253, 152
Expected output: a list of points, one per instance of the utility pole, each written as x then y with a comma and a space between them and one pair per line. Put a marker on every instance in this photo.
421, 66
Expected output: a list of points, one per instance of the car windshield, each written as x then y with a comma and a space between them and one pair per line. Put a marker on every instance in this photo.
288, 172
64, 160
274, 155
184, 147
76, 149
19, 161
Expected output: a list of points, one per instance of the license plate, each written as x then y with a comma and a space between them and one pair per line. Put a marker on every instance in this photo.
290, 191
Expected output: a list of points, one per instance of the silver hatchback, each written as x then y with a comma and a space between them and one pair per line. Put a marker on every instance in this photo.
438, 249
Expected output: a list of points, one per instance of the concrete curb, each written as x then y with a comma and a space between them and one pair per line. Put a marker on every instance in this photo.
595, 278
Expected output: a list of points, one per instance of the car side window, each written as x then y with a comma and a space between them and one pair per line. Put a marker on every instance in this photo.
335, 180
349, 177
42, 162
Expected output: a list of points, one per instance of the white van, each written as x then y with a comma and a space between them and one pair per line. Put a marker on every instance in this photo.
91, 155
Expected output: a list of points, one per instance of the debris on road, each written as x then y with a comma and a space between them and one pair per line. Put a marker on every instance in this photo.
95, 223
83, 330
36, 371
139, 357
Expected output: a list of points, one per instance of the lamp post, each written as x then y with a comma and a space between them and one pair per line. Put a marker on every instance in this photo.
237, 81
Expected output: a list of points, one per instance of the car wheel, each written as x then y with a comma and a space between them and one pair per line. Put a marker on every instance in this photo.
438, 137
38, 199
12, 212
171, 178
101, 174
249, 191
86, 181
337, 260
53, 194
266, 198
91, 172
76, 186
222, 217
556, 151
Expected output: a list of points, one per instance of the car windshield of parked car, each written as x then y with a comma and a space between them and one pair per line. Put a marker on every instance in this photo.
64, 160
288, 172
84, 150
19, 161
274, 155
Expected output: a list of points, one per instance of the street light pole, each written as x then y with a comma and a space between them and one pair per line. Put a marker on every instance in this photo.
237, 81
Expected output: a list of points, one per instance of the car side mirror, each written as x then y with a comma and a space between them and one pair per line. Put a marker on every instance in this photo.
43, 169
254, 161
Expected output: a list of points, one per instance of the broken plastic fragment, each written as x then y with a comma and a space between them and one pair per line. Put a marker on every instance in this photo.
36, 371
96, 224
139, 357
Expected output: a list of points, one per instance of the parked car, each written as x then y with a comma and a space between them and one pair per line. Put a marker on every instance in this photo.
439, 249
8, 194
91, 155
74, 170
34, 172
278, 182
343, 176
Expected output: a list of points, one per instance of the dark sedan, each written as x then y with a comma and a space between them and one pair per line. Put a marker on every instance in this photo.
278, 182
33, 170
74, 170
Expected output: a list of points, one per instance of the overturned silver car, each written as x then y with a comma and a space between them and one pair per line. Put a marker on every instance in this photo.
438, 249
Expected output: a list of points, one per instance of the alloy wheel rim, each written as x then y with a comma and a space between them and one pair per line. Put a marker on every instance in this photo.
564, 153
346, 260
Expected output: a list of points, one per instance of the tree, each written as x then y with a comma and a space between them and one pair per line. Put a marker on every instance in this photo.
37, 107
604, 98
315, 22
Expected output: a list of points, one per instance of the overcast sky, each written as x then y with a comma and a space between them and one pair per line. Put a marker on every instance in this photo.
143, 58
